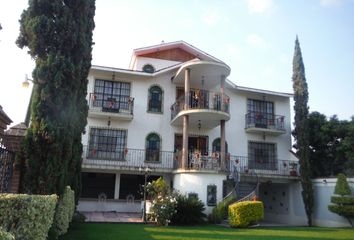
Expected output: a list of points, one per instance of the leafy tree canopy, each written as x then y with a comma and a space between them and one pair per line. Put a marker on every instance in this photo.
331, 145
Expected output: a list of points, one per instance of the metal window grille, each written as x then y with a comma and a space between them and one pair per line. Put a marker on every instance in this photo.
107, 143
260, 113
111, 96
152, 148
262, 155
155, 99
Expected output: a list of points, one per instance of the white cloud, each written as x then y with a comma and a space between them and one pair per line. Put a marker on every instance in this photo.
260, 6
330, 3
256, 40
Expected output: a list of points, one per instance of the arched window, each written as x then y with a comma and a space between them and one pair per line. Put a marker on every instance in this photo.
148, 68
153, 143
217, 145
155, 99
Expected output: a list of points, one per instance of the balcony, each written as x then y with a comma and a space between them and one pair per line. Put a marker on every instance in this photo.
266, 168
126, 159
205, 109
111, 105
256, 122
202, 161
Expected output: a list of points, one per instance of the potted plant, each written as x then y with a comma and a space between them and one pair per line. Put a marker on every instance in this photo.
293, 169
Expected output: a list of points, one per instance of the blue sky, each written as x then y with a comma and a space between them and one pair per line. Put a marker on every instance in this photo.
254, 37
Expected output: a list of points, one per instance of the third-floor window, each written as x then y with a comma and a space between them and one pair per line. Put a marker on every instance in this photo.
260, 113
111, 96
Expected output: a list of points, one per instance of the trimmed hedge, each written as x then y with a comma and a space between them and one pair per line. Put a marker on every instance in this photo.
345, 200
342, 187
27, 216
342, 210
63, 213
244, 214
6, 235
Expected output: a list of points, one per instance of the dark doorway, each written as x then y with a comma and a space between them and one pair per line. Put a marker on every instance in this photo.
195, 143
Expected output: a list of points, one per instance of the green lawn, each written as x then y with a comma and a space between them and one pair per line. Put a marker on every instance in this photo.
96, 231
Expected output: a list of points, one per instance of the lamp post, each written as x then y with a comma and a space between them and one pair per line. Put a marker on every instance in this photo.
146, 172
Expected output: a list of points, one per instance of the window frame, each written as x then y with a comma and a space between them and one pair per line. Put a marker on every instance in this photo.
155, 152
107, 143
260, 112
150, 94
112, 96
262, 155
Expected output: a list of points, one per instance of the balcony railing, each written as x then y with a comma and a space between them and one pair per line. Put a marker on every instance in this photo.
265, 120
271, 167
202, 99
128, 157
202, 161
111, 103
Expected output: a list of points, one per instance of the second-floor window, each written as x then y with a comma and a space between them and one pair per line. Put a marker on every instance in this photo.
107, 143
111, 96
262, 155
260, 113
155, 99
153, 143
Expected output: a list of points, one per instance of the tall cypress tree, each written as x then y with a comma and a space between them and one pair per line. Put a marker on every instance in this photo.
301, 133
58, 34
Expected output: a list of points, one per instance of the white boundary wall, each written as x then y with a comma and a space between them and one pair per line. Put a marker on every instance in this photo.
323, 190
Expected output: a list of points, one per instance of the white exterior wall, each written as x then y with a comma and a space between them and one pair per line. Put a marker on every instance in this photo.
157, 63
323, 192
238, 138
322, 217
197, 182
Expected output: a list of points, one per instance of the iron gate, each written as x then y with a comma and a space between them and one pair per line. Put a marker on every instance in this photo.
6, 166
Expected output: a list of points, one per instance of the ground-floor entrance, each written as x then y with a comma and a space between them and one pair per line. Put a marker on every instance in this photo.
118, 186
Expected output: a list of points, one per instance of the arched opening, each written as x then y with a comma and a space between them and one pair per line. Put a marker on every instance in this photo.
152, 151
217, 145
155, 99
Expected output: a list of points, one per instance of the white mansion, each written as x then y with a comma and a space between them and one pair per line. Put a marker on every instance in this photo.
175, 112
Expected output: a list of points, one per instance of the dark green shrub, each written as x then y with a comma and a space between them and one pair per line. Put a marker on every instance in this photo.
63, 213
345, 200
244, 214
342, 187
189, 211
78, 218
220, 211
27, 217
342, 205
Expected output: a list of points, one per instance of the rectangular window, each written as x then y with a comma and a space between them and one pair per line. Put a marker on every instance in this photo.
107, 143
111, 96
262, 156
260, 113
211, 195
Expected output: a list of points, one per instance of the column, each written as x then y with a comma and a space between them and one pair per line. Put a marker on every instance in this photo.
222, 145
185, 119
117, 186
222, 124
222, 91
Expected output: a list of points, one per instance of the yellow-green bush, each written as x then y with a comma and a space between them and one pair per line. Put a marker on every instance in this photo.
63, 214
244, 214
27, 217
